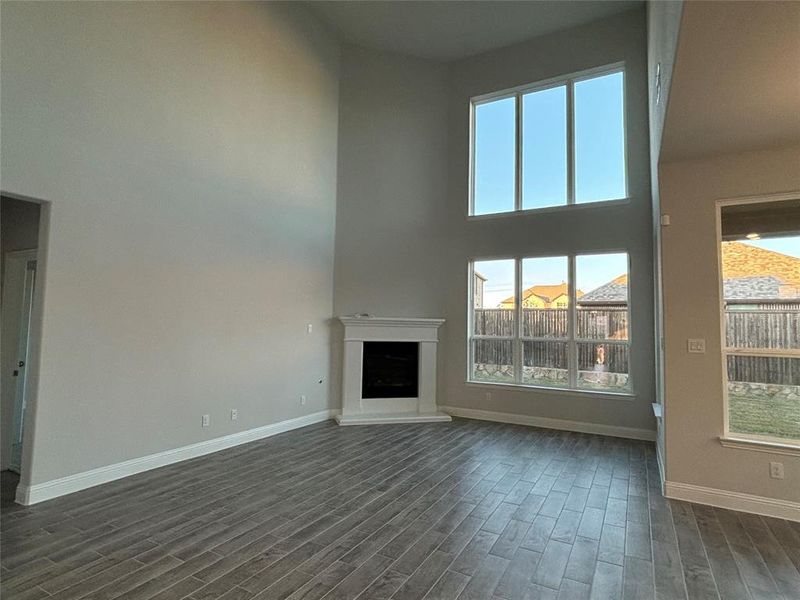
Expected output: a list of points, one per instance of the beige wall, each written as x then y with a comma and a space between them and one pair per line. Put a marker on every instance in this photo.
392, 184
403, 239
694, 401
189, 152
391, 188
626, 227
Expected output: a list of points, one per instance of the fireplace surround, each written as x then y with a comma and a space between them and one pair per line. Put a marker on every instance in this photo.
389, 370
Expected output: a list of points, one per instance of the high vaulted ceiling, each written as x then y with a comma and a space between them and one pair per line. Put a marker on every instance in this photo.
452, 30
736, 82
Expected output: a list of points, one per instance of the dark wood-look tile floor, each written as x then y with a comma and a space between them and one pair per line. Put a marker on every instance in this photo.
467, 510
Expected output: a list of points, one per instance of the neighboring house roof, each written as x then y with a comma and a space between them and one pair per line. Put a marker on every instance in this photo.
749, 273
755, 288
613, 292
742, 260
547, 293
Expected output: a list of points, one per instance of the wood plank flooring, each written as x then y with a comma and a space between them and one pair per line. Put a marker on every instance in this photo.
467, 510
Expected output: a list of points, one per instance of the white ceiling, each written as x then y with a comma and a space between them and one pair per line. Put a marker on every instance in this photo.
450, 30
736, 81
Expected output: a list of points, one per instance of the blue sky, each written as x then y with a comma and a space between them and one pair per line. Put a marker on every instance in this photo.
599, 174
599, 147
592, 271
787, 245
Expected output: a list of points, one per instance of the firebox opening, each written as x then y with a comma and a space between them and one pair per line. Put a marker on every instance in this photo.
390, 370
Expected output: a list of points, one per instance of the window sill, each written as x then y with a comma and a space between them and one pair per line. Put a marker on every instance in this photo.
760, 446
518, 387
550, 209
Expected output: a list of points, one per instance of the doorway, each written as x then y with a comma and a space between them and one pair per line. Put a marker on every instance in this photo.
19, 222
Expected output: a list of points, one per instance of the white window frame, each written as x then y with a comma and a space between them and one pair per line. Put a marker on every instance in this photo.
735, 439
518, 93
571, 340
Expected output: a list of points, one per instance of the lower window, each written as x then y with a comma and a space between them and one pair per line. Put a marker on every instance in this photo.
552, 322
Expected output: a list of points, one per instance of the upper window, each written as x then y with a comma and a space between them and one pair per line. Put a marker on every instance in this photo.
550, 145
760, 260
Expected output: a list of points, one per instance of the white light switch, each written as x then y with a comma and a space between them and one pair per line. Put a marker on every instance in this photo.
309, 328
696, 346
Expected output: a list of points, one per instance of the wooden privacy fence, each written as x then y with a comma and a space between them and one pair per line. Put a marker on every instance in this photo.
606, 323
598, 324
767, 328
763, 328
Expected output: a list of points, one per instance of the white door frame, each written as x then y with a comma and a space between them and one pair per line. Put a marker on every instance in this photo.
17, 302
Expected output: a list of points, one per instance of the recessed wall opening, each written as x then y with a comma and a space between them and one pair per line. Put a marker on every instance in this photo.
20, 224
390, 370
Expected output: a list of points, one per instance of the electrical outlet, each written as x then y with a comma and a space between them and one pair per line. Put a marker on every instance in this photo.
776, 470
310, 328
234, 414
303, 400
488, 396
206, 420
696, 346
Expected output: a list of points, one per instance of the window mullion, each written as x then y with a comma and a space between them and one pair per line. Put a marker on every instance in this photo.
572, 346
517, 343
471, 318
570, 142
518, 154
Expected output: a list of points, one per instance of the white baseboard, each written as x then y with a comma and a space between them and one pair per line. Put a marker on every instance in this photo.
770, 507
40, 492
580, 426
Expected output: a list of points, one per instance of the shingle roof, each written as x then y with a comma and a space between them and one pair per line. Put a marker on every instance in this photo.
611, 292
759, 288
743, 260
750, 274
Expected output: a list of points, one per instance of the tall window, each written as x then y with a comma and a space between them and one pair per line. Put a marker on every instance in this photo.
554, 322
550, 144
760, 268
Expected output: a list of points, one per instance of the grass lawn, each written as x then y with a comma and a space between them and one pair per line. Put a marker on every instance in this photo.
775, 416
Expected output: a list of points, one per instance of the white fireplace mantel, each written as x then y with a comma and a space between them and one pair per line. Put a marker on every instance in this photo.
357, 410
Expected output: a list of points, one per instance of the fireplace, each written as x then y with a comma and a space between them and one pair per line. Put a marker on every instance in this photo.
390, 370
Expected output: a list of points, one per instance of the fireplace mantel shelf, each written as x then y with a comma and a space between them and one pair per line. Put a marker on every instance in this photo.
391, 322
